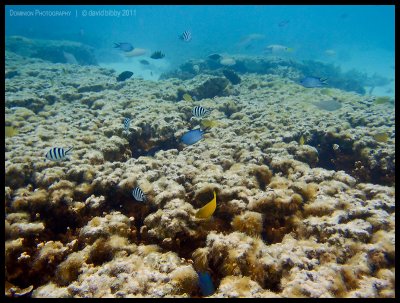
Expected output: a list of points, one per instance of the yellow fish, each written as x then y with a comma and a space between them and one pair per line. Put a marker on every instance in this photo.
207, 210
301, 140
11, 131
209, 123
187, 97
381, 137
382, 100
326, 91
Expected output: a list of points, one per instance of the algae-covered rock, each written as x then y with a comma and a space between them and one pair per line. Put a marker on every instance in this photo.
211, 88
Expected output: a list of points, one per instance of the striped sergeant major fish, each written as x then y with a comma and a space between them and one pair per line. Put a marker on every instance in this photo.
138, 194
199, 111
57, 153
127, 124
185, 36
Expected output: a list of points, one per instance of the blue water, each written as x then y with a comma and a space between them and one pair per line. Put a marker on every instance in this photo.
360, 37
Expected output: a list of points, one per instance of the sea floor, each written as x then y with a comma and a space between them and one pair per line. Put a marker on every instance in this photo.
304, 184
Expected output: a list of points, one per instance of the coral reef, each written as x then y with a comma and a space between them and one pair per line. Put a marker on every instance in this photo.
311, 217
55, 51
352, 80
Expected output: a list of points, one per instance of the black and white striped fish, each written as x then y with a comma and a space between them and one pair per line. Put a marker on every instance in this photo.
186, 36
199, 111
57, 153
138, 194
127, 124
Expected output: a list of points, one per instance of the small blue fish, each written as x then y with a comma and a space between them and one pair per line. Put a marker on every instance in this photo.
124, 46
206, 284
127, 124
192, 136
57, 153
138, 194
311, 82
185, 36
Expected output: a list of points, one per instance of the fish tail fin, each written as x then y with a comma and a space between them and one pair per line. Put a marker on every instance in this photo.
69, 149
323, 80
116, 45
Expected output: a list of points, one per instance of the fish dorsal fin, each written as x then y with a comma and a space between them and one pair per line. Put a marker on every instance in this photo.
207, 210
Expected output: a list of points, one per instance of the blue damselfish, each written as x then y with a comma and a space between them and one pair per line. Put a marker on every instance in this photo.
206, 284
192, 136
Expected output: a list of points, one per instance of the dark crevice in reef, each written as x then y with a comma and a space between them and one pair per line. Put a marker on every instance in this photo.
328, 157
348, 159
140, 146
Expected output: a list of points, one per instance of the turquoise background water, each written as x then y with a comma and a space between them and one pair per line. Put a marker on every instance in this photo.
360, 36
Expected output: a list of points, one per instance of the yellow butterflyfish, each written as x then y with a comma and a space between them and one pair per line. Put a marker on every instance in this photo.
381, 137
187, 97
11, 131
301, 140
207, 210
209, 123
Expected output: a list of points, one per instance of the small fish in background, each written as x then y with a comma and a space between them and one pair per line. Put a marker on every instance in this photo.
330, 52
57, 153
70, 58
207, 210
381, 137
214, 56
199, 111
136, 52
311, 82
232, 76
327, 92
249, 39
157, 55
187, 97
127, 124
283, 23
192, 136
276, 48
124, 75
186, 36
301, 140
343, 16
144, 62
196, 68
124, 46
11, 131
383, 100
138, 194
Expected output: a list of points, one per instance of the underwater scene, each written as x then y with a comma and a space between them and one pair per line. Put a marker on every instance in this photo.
199, 151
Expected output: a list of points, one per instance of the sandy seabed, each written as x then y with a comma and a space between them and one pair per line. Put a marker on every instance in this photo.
315, 219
